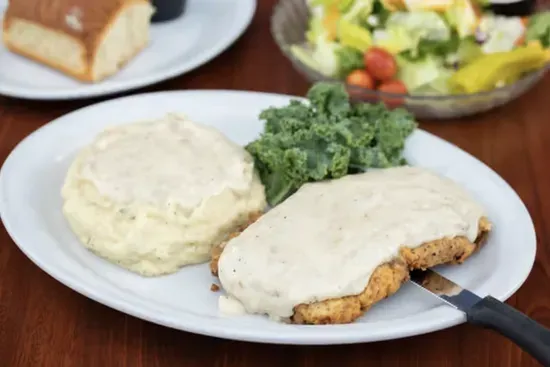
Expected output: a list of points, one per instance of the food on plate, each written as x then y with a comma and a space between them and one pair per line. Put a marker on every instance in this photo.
380, 64
360, 78
539, 29
157, 195
394, 87
334, 248
326, 137
482, 73
423, 44
88, 40
214, 287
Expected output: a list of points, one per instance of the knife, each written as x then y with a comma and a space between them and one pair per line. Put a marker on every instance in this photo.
489, 313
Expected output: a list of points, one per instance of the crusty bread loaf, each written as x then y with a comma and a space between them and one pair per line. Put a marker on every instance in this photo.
87, 39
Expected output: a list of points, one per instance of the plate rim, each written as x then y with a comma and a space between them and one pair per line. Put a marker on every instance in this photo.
440, 317
81, 91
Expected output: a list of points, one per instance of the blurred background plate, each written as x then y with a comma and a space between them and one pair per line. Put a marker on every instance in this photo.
205, 30
289, 23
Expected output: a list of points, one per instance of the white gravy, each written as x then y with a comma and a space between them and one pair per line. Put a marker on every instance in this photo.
229, 306
326, 240
142, 163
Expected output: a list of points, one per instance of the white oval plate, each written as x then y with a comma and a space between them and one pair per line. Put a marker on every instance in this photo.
205, 30
30, 206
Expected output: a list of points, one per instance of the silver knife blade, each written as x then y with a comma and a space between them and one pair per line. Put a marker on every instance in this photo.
445, 289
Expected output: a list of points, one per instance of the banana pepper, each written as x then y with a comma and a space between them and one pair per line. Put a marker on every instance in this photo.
487, 71
354, 36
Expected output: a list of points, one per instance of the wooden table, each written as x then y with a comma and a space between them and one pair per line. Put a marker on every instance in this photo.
43, 323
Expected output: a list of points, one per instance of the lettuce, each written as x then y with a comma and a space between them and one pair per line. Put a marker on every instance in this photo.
419, 73
463, 17
538, 29
439, 48
358, 10
412, 31
329, 58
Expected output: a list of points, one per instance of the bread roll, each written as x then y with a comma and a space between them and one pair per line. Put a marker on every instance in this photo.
86, 39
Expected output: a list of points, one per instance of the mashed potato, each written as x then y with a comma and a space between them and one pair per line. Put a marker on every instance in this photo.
157, 195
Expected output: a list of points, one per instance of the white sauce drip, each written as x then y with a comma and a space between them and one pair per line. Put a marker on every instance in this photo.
142, 163
327, 239
229, 306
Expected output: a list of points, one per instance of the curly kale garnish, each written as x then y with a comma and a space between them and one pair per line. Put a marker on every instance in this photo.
326, 138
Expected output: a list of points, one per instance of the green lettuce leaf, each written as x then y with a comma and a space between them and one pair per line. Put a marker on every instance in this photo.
539, 28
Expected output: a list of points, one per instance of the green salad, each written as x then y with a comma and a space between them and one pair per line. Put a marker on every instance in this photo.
422, 47
326, 137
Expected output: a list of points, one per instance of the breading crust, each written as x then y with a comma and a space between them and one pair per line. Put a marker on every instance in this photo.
385, 280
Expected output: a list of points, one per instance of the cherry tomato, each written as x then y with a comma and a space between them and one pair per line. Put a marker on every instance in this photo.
396, 87
380, 64
361, 79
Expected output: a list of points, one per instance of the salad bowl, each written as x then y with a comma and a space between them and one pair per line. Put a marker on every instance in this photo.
290, 23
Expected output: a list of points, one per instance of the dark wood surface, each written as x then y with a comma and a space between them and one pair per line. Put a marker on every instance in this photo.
43, 323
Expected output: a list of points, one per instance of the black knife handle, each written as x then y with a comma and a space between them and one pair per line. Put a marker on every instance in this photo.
518, 327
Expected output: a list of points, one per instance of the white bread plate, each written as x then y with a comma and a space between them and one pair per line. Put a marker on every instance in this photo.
205, 30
